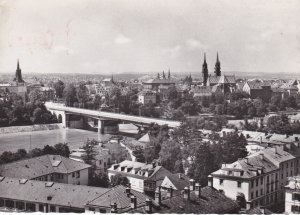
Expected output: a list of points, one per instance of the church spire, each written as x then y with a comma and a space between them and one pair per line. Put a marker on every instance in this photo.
169, 73
218, 66
204, 71
18, 77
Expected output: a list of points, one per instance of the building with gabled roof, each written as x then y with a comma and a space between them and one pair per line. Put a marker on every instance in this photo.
48, 168
257, 89
178, 181
142, 177
258, 179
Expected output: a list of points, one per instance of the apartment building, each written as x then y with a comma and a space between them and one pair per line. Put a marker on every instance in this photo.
292, 195
258, 179
53, 168
142, 177
147, 96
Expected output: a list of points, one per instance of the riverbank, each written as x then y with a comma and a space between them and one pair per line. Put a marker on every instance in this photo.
30, 128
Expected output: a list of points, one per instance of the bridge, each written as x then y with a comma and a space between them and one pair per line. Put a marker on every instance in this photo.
62, 111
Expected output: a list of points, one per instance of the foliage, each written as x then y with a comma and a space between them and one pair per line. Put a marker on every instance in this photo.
99, 180
119, 179
89, 156
69, 95
59, 87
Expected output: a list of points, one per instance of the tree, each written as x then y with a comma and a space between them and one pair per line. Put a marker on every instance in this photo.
119, 179
49, 150
170, 156
202, 164
89, 156
82, 95
62, 149
69, 94
35, 96
99, 180
59, 87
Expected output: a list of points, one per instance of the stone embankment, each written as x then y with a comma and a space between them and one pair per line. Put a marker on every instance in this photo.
29, 128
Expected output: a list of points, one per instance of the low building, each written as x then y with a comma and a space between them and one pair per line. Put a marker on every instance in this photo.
147, 97
33, 196
258, 179
292, 195
258, 90
48, 93
142, 177
178, 181
54, 168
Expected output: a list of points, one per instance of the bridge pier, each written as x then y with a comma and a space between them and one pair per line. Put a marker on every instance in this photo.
100, 126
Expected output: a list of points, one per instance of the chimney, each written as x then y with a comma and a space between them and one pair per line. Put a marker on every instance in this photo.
153, 164
148, 207
275, 149
128, 191
192, 184
186, 194
210, 181
262, 209
198, 190
179, 175
114, 208
158, 196
248, 205
170, 192
133, 202
261, 155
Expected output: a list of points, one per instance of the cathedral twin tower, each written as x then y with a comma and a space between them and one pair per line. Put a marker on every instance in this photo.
205, 69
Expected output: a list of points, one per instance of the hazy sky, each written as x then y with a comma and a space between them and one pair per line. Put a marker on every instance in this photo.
113, 36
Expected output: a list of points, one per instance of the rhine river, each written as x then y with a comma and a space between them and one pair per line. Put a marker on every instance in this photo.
38, 139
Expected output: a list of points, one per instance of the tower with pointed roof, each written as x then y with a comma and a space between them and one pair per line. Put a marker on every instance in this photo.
169, 74
218, 66
18, 77
204, 71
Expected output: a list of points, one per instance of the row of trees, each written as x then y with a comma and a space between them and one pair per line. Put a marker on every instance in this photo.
185, 149
15, 112
58, 149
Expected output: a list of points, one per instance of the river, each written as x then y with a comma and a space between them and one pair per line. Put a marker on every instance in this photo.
38, 139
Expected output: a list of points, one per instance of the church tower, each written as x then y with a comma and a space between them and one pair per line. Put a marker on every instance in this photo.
18, 77
218, 66
204, 71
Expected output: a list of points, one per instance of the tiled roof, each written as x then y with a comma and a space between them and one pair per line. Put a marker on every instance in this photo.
211, 201
117, 194
199, 90
259, 210
39, 166
36, 191
223, 79
159, 81
179, 180
258, 85
140, 170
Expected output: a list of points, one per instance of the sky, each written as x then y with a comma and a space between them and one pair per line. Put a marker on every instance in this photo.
142, 36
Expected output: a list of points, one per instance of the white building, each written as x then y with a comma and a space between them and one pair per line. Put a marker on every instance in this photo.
142, 177
257, 180
53, 168
146, 97
292, 195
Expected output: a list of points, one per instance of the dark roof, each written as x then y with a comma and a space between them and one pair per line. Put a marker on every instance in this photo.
211, 201
39, 166
223, 79
36, 191
159, 81
179, 180
118, 195
257, 85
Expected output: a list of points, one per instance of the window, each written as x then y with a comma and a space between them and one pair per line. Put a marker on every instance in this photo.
221, 181
41, 208
287, 165
295, 209
78, 174
296, 196
73, 174
239, 184
257, 182
1, 202
261, 191
276, 176
268, 179
100, 162
291, 172
252, 184
52, 208
251, 195
291, 164
282, 176
91, 209
261, 180
256, 193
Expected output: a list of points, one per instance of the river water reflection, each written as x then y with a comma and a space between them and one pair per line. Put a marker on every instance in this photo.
38, 139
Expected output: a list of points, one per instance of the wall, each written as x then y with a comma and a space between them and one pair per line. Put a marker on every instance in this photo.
29, 128
83, 179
